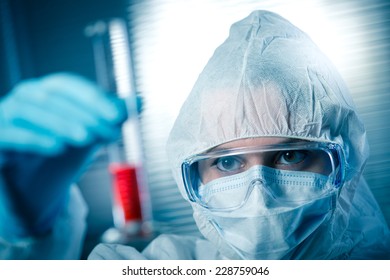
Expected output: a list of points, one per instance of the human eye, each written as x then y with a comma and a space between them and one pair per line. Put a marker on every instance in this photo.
291, 157
228, 164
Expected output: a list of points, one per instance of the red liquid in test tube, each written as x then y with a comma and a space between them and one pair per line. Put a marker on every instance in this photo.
126, 195
132, 211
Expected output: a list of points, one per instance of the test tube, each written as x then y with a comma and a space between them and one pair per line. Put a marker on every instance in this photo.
132, 212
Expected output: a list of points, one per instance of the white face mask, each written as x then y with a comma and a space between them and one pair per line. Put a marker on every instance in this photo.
282, 209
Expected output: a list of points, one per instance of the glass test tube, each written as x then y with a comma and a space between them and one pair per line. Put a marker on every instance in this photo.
114, 70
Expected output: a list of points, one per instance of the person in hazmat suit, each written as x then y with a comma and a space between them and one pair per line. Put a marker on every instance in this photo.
269, 150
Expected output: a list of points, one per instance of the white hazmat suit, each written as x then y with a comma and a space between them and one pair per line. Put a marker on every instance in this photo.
268, 79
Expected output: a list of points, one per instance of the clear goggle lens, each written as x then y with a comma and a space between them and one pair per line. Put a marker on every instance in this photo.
304, 164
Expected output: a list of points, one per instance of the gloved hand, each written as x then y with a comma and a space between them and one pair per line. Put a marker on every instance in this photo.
48, 128
46, 115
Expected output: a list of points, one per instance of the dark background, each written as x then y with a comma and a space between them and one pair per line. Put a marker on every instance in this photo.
42, 36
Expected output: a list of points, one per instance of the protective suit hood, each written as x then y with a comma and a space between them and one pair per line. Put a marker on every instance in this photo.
269, 79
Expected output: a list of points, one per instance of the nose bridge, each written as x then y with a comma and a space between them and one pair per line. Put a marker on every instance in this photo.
260, 191
256, 176
257, 159
257, 180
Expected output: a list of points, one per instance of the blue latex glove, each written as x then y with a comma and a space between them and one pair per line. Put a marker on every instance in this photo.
48, 129
48, 114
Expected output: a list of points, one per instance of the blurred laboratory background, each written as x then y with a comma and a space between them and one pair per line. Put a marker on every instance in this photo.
171, 41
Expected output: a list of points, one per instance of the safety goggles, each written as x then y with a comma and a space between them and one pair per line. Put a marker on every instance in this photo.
282, 164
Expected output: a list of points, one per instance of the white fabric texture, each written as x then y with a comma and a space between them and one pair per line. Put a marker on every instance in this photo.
269, 79
164, 247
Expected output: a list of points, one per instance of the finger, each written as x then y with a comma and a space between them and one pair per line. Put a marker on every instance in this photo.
97, 127
66, 113
22, 140
41, 121
84, 93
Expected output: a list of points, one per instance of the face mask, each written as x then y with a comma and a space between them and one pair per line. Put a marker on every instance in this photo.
281, 210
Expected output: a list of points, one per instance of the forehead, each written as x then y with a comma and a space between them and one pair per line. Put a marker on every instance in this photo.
257, 142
